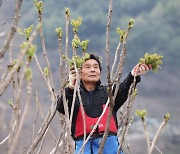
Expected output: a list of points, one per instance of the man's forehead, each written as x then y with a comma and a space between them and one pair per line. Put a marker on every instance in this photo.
91, 62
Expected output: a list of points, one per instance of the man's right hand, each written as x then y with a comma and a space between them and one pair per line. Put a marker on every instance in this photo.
140, 69
72, 77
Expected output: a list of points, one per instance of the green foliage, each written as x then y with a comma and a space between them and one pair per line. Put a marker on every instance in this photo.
141, 113
135, 92
131, 23
46, 71
28, 74
122, 34
31, 50
59, 32
154, 60
10, 67
76, 42
67, 11
26, 33
39, 5
11, 101
167, 117
78, 60
76, 24
84, 45
147, 35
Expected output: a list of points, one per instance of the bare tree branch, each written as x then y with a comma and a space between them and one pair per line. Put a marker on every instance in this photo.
111, 100
29, 91
13, 28
8, 18
146, 134
42, 130
157, 135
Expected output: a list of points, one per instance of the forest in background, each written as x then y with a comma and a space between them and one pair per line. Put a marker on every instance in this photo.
156, 29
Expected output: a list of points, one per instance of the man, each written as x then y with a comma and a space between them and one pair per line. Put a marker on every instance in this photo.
94, 97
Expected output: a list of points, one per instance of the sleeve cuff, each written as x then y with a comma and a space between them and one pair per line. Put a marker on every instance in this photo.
138, 78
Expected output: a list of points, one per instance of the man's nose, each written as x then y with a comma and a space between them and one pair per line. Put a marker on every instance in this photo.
92, 69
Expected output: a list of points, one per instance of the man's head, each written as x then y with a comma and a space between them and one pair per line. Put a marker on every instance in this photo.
91, 70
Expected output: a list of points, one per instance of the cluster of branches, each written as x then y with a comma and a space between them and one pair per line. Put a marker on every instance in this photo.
19, 73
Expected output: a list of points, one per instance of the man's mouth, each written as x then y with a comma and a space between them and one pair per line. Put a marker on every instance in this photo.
92, 75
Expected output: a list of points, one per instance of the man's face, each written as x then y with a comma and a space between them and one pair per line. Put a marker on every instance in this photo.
90, 71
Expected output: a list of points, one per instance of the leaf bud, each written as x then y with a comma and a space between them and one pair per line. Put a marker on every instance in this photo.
141, 113
59, 31
131, 23
67, 10
46, 72
167, 117
28, 74
11, 101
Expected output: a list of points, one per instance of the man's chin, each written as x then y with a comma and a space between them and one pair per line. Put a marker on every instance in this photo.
92, 80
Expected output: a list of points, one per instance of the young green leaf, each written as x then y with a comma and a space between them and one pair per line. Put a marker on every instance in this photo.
31, 50
39, 5
84, 45
78, 60
28, 31
59, 31
20, 31
122, 34
76, 42
131, 23
11, 101
154, 60
76, 24
141, 113
28, 74
167, 117
67, 10
46, 72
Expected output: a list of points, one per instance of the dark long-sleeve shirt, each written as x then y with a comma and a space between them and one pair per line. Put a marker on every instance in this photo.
93, 101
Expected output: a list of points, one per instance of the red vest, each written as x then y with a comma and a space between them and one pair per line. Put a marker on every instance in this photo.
90, 122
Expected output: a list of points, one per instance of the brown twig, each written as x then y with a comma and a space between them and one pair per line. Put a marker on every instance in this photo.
111, 100
115, 59
42, 130
13, 28
3, 23
130, 101
67, 40
118, 73
163, 124
29, 91
146, 134
46, 58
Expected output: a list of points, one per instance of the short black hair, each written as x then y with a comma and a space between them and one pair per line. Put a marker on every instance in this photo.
96, 58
